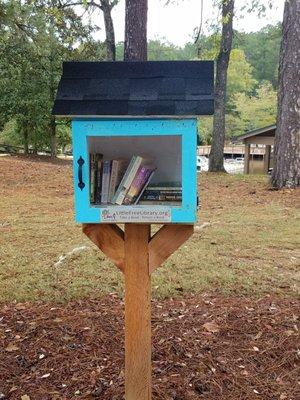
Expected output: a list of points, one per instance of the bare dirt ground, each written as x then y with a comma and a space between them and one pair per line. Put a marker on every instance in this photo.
225, 309
203, 347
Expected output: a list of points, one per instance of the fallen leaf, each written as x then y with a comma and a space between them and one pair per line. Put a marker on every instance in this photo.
211, 327
11, 347
258, 336
25, 397
20, 307
45, 376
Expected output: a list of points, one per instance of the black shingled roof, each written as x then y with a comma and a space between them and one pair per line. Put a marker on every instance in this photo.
151, 88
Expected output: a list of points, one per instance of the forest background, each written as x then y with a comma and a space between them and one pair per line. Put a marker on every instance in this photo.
37, 36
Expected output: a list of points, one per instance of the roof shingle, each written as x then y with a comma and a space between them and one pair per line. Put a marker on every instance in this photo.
152, 88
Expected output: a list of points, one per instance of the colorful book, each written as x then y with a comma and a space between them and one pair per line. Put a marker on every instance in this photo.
138, 184
118, 169
162, 197
166, 185
135, 163
99, 182
105, 181
92, 178
94, 157
162, 192
159, 203
142, 191
165, 188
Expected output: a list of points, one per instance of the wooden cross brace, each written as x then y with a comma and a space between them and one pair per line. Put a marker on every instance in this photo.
137, 255
111, 241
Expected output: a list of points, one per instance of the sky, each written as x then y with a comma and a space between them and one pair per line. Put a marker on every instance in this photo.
177, 21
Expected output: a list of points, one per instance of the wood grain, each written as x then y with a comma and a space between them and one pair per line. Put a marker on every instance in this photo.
110, 239
137, 313
168, 239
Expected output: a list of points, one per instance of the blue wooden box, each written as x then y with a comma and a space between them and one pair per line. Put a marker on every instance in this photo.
123, 109
168, 141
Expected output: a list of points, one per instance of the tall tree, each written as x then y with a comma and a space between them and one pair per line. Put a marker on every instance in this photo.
136, 30
106, 6
137, 277
286, 172
218, 139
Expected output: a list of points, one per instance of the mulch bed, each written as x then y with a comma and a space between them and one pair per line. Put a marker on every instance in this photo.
203, 347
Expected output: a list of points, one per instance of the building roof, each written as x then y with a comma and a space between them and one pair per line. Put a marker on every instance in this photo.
265, 131
151, 88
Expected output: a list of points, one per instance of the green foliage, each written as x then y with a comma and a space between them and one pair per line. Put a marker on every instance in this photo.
253, 112
248, 112
205, 128
10, 134
262, 51
240, 78
35, 37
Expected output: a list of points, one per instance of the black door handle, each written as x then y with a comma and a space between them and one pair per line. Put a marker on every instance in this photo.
80, 162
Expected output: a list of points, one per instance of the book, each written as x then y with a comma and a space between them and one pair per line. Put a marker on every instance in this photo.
143, 189
162, 193
138, 183
94, 158
105, 181
135, 163
168, 185
99, 181
159, 203
165, 188
92, 178
161, 197
118, 169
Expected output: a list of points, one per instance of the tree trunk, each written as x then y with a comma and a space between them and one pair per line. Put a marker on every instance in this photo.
136, 30
106, 8
137, 276
218, 138
53, 141
286, 172
26, 140
52, 123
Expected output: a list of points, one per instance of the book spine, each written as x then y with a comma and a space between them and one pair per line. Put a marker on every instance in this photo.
143, 189
164, 189
93, 168
137, 185
161, 197
159, 203
113, 180
127, 180
99, 182
105, 181
121, 185
165, 192
130, 179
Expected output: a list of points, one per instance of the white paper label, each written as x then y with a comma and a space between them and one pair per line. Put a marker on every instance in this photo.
136, 214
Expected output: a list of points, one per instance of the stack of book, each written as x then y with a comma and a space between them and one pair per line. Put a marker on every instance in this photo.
119, 181
162, 193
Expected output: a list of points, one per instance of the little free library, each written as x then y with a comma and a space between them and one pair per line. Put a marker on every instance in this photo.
134, 128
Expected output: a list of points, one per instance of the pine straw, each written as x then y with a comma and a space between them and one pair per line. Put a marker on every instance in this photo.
249, 349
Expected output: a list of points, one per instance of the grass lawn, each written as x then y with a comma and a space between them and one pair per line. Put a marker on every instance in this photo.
247, 241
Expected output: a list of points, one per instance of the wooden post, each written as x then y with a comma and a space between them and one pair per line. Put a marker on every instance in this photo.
137, 255
137, 313
247, 158
267, 158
